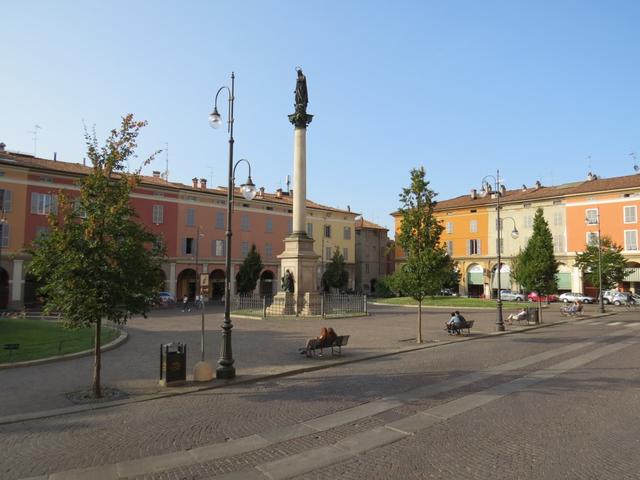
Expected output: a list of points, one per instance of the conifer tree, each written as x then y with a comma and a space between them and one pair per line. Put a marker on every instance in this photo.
249, 272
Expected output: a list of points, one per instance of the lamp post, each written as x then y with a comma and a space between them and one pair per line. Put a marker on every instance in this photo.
225, 369
202, 371
600, 295
486, 189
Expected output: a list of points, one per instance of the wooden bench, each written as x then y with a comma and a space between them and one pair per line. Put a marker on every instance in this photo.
335, 346
466, 325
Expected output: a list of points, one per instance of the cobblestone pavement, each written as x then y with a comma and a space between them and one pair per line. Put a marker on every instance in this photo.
564, 426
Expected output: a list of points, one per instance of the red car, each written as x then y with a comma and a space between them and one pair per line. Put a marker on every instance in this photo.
533, 297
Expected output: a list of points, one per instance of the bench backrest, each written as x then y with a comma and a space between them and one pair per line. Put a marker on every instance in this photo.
341, 340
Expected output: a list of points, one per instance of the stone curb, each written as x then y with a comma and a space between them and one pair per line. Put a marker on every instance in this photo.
123, 337
258, 378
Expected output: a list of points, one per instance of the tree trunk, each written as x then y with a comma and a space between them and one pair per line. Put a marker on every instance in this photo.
539, 310
419, 336
97, 391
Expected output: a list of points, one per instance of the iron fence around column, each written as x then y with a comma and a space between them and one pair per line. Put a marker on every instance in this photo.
331, 304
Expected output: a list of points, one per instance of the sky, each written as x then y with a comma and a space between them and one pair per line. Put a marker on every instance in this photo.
544, 90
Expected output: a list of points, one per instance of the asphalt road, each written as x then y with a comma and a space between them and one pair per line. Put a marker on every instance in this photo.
557, 402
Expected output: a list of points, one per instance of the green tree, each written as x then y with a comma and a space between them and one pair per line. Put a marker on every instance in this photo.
428, 267
613, 264
336, 275
535, 267
249, 272
97, 260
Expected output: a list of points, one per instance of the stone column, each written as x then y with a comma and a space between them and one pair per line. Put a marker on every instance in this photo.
172, 279
16, 283
299, 179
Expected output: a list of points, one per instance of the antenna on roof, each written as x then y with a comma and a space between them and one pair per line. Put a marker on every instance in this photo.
34, 132
589, 163
288, 184
636, 167
211, 170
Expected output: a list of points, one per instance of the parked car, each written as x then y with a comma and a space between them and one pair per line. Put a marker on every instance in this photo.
447, 292
620, 298
511, 296
574, 296
165, 298
534, 297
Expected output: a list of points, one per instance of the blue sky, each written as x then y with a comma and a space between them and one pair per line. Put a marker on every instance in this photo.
461, 87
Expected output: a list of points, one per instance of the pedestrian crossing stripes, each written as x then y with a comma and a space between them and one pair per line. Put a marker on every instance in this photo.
615, 324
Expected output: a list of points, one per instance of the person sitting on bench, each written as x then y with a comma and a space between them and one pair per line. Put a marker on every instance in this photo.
521, 315
454, 323
325, 339
575, 309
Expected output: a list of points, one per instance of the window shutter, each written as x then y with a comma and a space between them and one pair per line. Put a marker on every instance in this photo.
479, 247
5, 235
34, 202
54, 204
6, 202
468, 247
184, 246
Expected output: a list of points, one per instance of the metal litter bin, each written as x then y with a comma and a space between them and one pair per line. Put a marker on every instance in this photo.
173, 364
532, 315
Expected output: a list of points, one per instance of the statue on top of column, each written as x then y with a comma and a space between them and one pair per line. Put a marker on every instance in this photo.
302, 98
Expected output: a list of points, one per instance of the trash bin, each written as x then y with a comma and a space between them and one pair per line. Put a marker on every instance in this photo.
532, 315
173, 364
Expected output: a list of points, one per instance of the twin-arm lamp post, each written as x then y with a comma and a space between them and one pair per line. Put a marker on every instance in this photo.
486, 189
225, 369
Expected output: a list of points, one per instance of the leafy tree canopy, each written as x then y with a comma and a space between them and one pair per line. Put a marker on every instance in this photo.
535, 267
249, 272
336, 275
613, 264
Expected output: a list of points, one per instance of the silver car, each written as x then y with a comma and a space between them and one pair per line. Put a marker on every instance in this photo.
511, 296
573, 297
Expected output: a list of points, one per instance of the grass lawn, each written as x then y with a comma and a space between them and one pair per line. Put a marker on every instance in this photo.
42, 339
457, 302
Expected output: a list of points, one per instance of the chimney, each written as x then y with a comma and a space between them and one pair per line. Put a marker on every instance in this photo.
474, 194
348, 208
261, 193
503, 189
195, 182
524, 187
203, 184
55, 156
538, 184
279, 193
156, 174
2, 146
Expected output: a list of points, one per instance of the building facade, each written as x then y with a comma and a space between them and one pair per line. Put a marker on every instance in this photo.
573, 212
190, 219
372, 251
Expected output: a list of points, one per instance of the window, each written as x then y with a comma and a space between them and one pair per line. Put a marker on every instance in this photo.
449, 227
41, 231
528, 221
327, 253
269, 225
220, 220
473, 247
188, 246
473, 226
244, 222
244, 249
557, 218
218, 248
191, 217
43, 203
4, 237
347, 233
500, 245
5, 198
592, 238
449, 248
630, 240
558, 243
630, 214
366, 268
345, 254
77, 207
268, 250
158, 214
310, 230
591, 216
327, 231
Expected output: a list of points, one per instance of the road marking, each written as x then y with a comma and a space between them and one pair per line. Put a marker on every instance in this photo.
157, 463
613, 324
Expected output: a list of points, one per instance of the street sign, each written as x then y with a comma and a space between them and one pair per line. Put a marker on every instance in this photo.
204, 279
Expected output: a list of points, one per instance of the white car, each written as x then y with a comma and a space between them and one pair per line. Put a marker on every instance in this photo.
573, 296
511, 296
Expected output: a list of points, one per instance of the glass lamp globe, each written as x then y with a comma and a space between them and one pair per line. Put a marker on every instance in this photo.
248, 190
515, 233
215, 120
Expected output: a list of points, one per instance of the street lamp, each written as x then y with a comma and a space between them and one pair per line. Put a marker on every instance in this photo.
202, 371
486, 189
225, 369
590, 222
